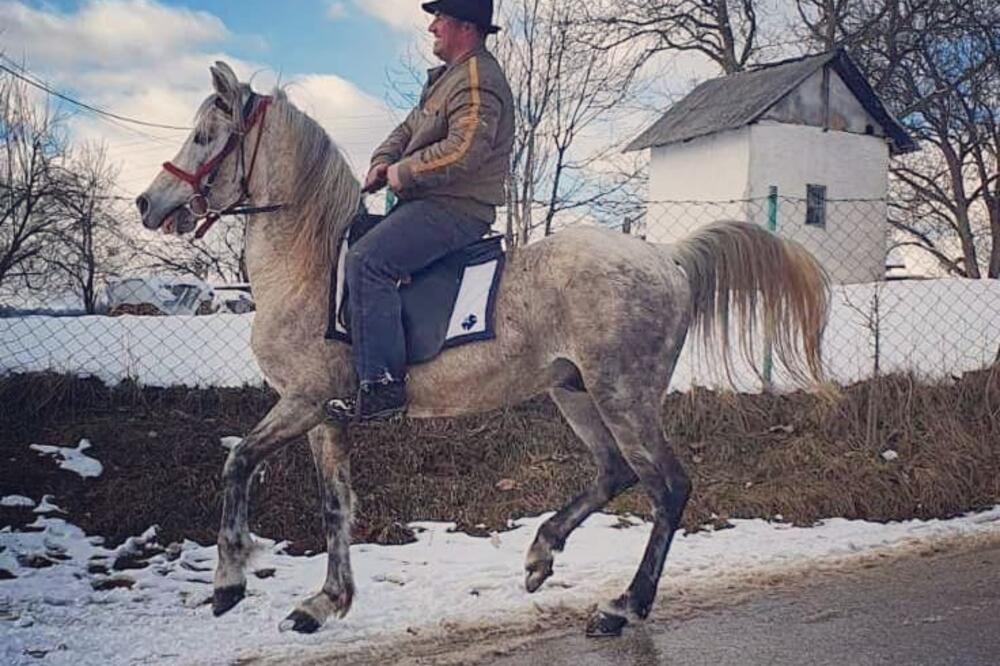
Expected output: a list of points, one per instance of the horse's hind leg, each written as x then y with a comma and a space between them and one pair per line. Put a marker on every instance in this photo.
330, 450
635, 424
289, 418
613, 477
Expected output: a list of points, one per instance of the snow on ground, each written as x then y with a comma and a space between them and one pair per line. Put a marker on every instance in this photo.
443, 578
213, 350
17, 501
74, 460
46, 506
936, 328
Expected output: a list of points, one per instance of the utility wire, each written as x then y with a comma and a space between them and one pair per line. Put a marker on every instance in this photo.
28, 78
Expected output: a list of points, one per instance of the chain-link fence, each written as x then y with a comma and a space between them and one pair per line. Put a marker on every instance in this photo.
899, 317
892, 311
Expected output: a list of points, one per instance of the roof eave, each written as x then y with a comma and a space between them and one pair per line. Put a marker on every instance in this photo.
900, 141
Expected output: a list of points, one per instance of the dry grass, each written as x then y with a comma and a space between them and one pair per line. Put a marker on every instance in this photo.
750, 456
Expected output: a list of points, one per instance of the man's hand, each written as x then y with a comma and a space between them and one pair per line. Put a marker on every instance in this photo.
393, 177
376, 179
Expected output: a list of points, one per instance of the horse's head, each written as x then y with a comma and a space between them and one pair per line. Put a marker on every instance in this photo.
209, 173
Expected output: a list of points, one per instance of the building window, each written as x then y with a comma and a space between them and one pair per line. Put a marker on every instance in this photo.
816, 205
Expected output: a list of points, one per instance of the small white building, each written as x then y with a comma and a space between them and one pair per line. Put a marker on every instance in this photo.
813, 128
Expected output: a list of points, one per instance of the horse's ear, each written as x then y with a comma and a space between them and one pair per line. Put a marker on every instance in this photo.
225, 82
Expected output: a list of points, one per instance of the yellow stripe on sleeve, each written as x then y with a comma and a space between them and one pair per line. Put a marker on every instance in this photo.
469, 123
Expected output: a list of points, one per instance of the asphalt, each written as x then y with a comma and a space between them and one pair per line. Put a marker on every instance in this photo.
927, 610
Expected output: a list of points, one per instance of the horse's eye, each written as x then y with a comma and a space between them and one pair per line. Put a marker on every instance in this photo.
201, 138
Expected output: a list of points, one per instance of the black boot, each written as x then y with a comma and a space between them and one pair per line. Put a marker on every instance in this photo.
376, 401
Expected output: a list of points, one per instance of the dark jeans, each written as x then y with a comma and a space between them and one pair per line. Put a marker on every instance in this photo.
413, 235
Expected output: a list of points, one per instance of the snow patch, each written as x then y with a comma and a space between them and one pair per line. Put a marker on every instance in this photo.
47, 506
73, 460
15, 501
230, 442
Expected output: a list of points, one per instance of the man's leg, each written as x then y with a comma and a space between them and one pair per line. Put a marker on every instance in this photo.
413, 236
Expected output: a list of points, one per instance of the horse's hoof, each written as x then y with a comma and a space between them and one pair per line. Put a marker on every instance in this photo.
300, 622
605, 625
343, 602
538, 573
227, 597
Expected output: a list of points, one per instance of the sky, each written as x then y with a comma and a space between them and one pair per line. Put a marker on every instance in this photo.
149, 60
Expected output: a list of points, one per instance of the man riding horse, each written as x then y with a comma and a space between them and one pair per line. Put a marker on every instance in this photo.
446, 163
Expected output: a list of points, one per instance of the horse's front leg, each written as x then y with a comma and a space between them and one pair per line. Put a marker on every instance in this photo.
292, 416
330, 448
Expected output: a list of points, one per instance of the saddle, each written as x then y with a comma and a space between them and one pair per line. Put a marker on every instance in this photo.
447, 304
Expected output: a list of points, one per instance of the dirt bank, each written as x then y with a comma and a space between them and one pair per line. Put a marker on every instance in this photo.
887, 450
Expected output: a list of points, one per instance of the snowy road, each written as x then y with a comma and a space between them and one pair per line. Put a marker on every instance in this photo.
927, 609
938, 610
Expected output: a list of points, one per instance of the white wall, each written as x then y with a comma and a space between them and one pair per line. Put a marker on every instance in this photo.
743, 164
851, 166
712, 168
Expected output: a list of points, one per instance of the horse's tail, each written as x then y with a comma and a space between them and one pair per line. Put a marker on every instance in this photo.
740, 266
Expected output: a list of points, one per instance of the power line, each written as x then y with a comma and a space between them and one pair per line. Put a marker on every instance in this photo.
27, 77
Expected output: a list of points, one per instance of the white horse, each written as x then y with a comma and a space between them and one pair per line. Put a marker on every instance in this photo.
597, 319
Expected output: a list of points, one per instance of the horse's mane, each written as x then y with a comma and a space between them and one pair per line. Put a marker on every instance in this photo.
325, 195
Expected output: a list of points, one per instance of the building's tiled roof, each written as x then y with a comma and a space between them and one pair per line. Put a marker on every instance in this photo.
733, 101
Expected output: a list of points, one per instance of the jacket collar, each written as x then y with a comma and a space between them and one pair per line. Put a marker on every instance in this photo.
435, 74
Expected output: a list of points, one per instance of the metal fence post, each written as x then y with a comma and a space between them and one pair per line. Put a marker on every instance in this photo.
772, 226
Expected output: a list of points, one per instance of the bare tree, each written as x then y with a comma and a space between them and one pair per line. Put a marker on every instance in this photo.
220, 256
725, 31
32, 155
563, 90
88, 247
833, 23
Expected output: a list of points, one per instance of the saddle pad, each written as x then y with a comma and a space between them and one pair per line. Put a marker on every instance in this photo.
447, 304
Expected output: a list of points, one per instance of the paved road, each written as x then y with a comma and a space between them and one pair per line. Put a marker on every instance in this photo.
940, 610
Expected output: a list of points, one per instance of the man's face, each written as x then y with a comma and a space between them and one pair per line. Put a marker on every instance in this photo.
447, 33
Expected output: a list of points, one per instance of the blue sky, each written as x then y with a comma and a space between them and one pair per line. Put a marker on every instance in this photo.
149, 59
301, 38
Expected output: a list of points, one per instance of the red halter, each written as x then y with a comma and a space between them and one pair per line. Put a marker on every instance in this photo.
198, 204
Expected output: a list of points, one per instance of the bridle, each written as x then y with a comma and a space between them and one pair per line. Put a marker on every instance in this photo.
254, 112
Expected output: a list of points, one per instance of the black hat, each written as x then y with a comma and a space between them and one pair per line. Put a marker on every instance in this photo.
479, 12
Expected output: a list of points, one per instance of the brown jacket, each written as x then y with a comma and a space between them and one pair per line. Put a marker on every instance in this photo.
455, 146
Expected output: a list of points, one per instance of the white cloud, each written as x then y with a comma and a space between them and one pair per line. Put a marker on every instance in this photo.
414, 46
336, 11
356, 121
149, 61
106, 33
402, 16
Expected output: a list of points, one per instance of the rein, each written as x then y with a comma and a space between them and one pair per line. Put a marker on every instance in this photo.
198, 204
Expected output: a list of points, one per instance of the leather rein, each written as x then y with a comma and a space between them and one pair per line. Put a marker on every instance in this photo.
254, 112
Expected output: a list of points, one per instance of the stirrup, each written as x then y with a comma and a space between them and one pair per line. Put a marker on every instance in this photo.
341, 410
375, 401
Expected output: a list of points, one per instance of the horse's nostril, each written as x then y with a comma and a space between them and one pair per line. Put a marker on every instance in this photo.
143, 203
